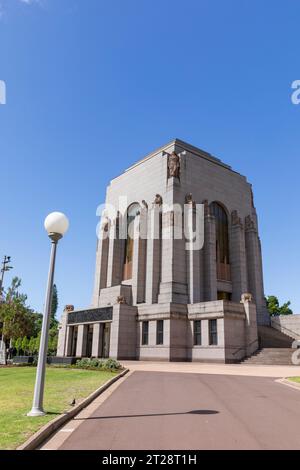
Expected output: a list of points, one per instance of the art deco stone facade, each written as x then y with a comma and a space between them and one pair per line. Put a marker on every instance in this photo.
163, 301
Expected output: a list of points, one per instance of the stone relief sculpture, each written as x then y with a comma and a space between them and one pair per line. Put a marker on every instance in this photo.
69, 308
158, 200
247, 297
189, 200
235, 219
249, 223
173, 165
121, 300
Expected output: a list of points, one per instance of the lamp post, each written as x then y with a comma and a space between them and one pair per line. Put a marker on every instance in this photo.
56, 224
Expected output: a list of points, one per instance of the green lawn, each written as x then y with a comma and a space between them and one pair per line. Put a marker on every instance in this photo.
16, 393
295, 379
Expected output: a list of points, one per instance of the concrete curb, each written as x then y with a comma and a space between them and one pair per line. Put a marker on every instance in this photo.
40, 436
289, 383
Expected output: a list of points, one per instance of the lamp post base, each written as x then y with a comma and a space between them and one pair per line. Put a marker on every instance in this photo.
36, 412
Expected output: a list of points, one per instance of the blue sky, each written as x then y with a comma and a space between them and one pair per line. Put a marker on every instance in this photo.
94, 85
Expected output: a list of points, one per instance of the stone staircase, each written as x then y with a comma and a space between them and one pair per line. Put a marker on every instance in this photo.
271, 356
275, 348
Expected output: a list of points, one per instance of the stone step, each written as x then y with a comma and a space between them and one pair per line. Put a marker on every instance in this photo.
271, 356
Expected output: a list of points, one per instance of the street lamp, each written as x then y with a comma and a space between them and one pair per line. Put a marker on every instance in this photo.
56, 224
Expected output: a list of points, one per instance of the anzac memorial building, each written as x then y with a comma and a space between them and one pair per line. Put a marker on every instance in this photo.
178, 265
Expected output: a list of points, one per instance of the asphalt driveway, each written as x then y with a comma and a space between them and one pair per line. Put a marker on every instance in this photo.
158, 410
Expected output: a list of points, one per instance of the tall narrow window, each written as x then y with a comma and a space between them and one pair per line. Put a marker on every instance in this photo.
222, 242
213, 332
129, 244
160, 332
197, 333
145, 333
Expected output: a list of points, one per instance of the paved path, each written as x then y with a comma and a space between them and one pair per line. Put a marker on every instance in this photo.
254, 370
158, 410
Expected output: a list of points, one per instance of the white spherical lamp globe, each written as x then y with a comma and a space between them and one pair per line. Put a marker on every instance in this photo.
56, 222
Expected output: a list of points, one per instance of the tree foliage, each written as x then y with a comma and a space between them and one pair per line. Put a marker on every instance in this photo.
274, 307
22, 326
54, 305
15, 316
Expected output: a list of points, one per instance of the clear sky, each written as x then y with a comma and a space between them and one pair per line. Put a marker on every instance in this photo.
94, 85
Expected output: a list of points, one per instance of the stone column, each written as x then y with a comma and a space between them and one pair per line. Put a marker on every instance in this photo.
193, 256
139, 258
97, 339
69, 340
255, 274
238, 261
153, 273
210, 261
101, 263
173, 286
62, 335
123, 333
81, 341
115, 255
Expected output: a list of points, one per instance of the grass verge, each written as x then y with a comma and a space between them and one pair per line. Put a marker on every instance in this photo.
294, 379
16, 393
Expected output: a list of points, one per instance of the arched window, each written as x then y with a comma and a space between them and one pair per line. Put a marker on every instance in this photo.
222, 241
132, 212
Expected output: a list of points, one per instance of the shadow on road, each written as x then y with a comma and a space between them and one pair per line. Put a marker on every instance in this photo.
192, 412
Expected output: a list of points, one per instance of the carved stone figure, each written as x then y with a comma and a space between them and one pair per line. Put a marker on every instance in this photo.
121, 299
69, 308
235, 219
249, 223
173, 165
189, 198
158, 200
247, 297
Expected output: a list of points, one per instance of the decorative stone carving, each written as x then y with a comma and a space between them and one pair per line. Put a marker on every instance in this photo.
247, 297
158, 200
249, 223
105, 224
189, 200
173, 165
69, 308
235, 219
121, 299
144, 204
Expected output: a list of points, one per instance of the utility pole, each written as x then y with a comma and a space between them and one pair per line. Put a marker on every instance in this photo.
5, 268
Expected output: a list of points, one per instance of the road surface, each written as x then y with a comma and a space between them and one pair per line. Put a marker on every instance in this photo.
159, 410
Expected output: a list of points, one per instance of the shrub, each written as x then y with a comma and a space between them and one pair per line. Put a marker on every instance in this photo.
99, 364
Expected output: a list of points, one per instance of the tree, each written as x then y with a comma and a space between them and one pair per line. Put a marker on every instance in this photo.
25, 344
16, 318
31, 346
18, 345
275, 309
54, 305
